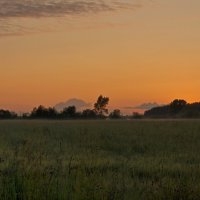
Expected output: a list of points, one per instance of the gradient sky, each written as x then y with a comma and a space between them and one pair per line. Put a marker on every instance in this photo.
132, 51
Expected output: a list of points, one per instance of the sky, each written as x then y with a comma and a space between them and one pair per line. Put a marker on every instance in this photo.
134, 51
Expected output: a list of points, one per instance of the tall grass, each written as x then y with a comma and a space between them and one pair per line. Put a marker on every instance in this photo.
99, 160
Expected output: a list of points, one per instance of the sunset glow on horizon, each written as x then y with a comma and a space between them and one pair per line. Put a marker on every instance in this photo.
132, 51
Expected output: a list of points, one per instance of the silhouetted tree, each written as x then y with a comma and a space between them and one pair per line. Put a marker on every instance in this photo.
158, 112
89, 114
100, 105
177, 105
6, 114
42, 112
177, 108
39, 112
52, 113
69, 112
115, 114
190, 111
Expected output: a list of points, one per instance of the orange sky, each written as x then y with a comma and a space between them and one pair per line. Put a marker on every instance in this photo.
146, 54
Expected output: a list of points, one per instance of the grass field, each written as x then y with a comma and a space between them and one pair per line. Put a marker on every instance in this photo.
100, 160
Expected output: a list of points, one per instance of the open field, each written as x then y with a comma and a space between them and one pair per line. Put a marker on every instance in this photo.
147, 160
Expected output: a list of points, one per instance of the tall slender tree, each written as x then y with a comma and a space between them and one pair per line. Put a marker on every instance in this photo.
100, 107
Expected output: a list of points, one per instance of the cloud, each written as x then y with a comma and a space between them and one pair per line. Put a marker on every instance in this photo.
79, 103
144, 106
49, 8
13, 13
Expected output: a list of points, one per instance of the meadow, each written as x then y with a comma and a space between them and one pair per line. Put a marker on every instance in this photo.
103, 160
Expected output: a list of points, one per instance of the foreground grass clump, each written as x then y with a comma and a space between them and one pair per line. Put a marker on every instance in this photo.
147, 160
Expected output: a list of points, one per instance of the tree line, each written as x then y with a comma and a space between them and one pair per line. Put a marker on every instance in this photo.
176, 109
99, 111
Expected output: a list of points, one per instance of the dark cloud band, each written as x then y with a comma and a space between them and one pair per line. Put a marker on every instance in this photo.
48, 8
14, 9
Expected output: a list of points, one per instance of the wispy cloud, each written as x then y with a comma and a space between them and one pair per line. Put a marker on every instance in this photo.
12, 10
78, 103
49, 8
144, 106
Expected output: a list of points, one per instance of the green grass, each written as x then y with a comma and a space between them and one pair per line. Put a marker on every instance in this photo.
75, 160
